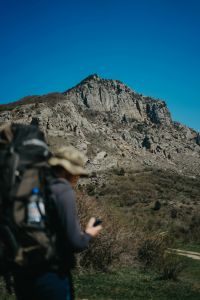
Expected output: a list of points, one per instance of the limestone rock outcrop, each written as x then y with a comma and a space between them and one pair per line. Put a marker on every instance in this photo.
113, 124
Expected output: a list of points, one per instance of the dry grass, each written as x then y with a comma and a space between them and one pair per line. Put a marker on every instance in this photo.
155, 200
116, 245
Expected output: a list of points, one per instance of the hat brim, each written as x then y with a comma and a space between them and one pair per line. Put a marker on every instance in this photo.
68, 166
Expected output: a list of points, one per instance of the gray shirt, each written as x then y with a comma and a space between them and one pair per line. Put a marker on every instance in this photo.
65, 202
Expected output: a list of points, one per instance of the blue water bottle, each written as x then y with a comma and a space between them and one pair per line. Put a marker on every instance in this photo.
35, 209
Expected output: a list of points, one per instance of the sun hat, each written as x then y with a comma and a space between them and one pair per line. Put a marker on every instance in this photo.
70, 159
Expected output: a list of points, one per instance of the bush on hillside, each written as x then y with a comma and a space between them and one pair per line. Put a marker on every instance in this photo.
170, 266
153, 253
152, 249
115, 245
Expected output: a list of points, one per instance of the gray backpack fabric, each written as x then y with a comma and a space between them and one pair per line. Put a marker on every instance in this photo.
27, 237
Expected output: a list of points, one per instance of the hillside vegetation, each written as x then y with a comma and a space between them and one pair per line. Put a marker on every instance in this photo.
154, 200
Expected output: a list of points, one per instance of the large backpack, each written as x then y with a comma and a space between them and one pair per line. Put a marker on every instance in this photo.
27, 237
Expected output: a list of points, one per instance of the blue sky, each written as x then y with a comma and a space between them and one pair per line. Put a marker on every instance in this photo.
153, 46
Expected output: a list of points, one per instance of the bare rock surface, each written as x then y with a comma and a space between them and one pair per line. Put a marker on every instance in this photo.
113, 125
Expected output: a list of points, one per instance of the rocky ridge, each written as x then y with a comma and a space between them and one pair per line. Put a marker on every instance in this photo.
113, 124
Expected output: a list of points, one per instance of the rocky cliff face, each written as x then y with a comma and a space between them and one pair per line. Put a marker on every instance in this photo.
114, 125
114, 97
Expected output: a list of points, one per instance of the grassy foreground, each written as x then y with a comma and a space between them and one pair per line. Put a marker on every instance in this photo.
134, 283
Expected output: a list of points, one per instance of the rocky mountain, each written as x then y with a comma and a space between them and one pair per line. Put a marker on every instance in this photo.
113, 125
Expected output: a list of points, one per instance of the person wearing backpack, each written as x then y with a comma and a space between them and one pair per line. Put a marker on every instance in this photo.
56, 284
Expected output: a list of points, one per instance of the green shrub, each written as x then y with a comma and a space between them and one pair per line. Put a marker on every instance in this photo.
153, 253
170, 266
157, 205
90, 188
152, 249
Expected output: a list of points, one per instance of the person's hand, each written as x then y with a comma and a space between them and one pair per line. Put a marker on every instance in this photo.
91, 229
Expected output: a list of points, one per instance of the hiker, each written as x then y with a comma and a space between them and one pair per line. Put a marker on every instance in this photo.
67, 166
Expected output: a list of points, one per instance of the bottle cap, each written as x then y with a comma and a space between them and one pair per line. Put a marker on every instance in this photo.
35, 190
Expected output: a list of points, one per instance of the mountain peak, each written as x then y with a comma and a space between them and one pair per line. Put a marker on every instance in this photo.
107, 114
96, 78
116, 98
92, 77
